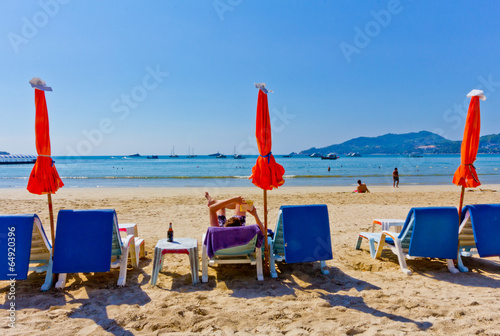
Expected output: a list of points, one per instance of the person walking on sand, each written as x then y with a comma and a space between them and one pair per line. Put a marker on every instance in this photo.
362, 188
395, 178
217, 213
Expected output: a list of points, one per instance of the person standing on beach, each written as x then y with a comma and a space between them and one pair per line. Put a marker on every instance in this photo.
395, 178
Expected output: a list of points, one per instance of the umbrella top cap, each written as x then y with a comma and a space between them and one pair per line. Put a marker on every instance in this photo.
38, 83
478, 93
262, 86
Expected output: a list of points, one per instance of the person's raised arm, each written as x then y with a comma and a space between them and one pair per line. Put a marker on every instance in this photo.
257, 219
218, 205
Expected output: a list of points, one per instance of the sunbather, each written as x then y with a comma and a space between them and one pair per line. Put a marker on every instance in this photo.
217, 213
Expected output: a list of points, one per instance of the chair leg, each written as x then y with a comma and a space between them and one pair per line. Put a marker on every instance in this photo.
260, 273
322, 264
460, 263
61, 281
451, 266
192, 264
358, 243
49, 277
156, 266
272, 259
134, 258
122, 277
401, 257
204, 264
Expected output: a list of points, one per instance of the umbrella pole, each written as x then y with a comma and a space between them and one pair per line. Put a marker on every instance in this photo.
460, 206
266, 245
51, 215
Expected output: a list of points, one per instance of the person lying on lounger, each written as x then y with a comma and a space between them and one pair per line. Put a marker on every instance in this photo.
217, 213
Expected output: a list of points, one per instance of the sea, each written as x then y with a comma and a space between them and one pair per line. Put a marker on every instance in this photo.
208, 171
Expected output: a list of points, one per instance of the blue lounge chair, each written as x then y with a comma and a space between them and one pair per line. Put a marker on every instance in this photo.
232, 245
479, 232
89, 241
23, 243
427, 232
302, 234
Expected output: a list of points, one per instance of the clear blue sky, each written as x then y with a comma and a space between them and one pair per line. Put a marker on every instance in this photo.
339, 70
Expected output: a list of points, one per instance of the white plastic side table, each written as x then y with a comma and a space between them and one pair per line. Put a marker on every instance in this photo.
387, 223
187, 246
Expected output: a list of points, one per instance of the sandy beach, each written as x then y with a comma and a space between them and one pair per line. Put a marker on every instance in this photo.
360, 296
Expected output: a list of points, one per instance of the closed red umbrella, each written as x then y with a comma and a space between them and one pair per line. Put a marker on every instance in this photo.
44, 178
466, 175
267, 174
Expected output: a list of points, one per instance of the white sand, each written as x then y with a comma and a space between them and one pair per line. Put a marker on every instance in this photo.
360, 296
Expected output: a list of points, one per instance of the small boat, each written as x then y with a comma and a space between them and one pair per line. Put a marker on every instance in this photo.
214, 154
330, 156
134, 155
237, 156
316, 155
172, 154
288, 156
221, 156
354, 154
153, 157
415, 155
191, 155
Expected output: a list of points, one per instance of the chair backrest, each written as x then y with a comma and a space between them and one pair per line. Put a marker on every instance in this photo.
433, 232
224, 238
306, 233
84, 241
40, 246
279, 239
16, 233
485, 220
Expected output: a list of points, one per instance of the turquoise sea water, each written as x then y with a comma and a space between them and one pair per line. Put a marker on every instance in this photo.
208, 171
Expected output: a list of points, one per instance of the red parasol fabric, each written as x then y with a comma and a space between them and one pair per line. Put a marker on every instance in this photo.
267, 174
44, 178
466, 175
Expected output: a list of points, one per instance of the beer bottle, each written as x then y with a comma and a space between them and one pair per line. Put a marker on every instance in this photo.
170, 234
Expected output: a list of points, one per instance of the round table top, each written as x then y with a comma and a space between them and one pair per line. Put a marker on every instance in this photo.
177, 244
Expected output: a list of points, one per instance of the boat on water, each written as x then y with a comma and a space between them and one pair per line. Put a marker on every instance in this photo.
316, 155
172, 154
354, 154
330, 156
214, 154
415, 155
153, 157
191, 155
288, 156
221, 156
134, 155
237, 156
17, 159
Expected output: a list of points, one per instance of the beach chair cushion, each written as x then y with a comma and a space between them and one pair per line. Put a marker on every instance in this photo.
305, 233
435, 233
84, 241
485, 220
223, 238
20, 228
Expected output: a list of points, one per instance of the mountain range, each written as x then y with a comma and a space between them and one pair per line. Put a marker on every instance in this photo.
422, 142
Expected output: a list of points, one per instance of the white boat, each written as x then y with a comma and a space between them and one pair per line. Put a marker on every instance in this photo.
191, 155
237, 156
330, 156
172, 154
316, 155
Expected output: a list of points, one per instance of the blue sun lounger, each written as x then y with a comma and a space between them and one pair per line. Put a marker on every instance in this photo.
23, 243
89, 241
302, 234
427, 232
479, 232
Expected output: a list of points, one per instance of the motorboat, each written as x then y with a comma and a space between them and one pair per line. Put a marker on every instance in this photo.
354, 154
316, 155
330, 156
214, 154
134, 155
153, 157
238, 156
221, 156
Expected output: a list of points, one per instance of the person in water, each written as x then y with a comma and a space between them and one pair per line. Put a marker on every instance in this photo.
217, 212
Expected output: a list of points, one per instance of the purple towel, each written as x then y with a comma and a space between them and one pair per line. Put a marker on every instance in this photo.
219, 238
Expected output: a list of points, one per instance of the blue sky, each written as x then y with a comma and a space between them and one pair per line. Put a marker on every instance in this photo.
136, 76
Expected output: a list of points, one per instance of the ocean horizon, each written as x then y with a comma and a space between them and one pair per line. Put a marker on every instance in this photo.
208, 171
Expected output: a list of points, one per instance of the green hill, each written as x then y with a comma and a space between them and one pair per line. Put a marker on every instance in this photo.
421, 142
